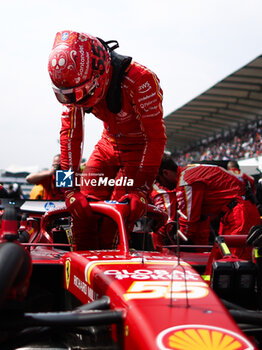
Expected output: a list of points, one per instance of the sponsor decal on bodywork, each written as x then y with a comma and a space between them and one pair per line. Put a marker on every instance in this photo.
136, 261
201, 337
80, 285
153, 283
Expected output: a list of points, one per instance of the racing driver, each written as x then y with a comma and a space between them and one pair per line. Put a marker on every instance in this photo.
88, 76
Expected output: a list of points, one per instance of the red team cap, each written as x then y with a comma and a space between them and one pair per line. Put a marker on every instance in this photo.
79, 67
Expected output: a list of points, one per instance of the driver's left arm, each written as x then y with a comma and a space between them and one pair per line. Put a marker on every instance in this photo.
149, 108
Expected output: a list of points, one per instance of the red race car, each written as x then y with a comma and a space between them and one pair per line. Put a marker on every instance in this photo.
138, 295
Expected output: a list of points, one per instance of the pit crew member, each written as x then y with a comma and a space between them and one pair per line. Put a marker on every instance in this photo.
47, 179
209, 190
163, 196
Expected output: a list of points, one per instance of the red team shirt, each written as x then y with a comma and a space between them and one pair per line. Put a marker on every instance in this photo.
164, 199
207, 190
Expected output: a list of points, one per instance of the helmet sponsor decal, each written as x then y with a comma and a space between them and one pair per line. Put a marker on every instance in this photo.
65, 36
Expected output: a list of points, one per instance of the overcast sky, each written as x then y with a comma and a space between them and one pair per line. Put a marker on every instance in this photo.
189, 44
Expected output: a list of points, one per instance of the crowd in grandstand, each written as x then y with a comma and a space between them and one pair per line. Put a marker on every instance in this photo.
246, 142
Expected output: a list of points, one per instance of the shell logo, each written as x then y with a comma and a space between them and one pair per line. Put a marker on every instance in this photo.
201, 337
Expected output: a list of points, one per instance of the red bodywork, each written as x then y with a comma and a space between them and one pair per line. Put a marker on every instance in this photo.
165, 303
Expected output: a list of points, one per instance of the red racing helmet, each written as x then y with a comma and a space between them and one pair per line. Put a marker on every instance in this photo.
79, 67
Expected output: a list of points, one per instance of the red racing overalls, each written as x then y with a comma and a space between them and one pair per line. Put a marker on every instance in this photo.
132, 142
211, 191
164, 199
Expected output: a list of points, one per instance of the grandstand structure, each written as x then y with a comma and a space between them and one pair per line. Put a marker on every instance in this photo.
228, 105
7, 178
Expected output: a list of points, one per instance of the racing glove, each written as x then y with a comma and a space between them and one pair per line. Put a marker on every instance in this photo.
137, 204
77, 204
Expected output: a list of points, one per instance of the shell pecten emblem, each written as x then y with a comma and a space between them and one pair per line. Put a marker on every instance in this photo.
201, 337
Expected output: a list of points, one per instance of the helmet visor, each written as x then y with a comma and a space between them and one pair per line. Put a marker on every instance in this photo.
77, 94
